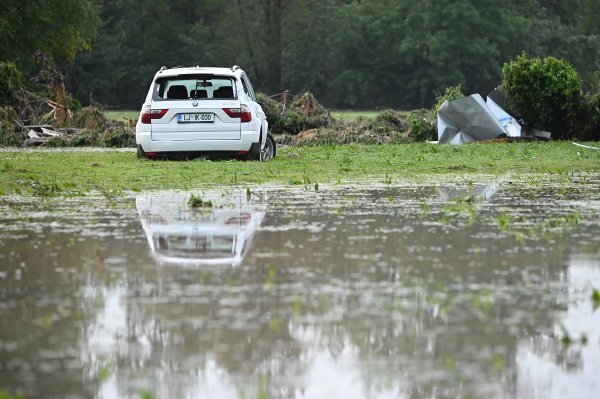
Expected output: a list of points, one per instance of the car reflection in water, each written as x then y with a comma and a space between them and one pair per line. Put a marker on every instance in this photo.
211, 235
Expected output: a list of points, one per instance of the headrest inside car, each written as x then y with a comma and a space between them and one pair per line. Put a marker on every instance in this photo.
177, 92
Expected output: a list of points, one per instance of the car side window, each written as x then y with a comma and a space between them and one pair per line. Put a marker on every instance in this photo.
245, 87
248, 87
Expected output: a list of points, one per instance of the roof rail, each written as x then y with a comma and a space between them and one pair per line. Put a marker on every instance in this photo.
235, 67
162, 68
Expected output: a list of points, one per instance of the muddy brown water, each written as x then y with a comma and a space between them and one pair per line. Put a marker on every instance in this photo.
425, 290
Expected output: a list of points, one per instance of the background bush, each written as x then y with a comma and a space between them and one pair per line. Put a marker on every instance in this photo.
11, 84
451, 93
546, 93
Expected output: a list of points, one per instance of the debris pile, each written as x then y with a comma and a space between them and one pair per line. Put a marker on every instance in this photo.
89, 127
302, 120
47, 116
294, 114
471, 119
387, 127
39, 135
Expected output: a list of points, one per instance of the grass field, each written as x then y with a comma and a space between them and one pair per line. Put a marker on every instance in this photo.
76, 172
344, 115
118, 115
350, 115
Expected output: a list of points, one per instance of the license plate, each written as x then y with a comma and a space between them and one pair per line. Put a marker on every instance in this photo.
195, 118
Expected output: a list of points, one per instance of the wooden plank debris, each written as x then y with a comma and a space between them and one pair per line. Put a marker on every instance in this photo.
50, 132
39, 135
33, 135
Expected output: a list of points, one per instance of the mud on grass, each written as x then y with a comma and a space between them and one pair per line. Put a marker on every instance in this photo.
63, 173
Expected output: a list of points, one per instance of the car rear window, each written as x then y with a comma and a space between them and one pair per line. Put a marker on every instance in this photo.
184, 87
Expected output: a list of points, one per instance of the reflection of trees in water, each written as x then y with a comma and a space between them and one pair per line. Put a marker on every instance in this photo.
394, 298
548, 368
429, 295
193, 316
46, 311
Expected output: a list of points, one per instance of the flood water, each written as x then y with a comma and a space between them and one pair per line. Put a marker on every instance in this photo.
476, 289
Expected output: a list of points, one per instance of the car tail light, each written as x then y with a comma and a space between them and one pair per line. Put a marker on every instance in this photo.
243, 113
149, 114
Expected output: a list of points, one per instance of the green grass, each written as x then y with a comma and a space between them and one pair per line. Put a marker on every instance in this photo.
350, 115
117, 115
45, 173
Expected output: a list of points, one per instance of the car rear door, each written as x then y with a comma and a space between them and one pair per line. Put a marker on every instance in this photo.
197, 108
257, 109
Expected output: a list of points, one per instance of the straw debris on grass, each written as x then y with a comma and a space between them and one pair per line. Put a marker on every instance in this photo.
88, 127
387, 127
302, 120
91, 118
294, 114
421, 126
118, 136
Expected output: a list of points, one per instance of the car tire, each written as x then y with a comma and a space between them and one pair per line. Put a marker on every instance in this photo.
270, 149
254, 152
140, 153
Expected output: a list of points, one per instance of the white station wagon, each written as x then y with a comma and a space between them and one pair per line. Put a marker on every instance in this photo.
202, 112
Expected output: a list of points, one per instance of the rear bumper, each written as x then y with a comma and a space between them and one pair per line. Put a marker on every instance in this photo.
220, 146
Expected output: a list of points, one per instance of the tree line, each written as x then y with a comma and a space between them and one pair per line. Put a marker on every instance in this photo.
349, 53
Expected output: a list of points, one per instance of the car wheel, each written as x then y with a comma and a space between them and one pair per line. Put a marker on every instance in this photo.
268, 152
254, 152
140, 153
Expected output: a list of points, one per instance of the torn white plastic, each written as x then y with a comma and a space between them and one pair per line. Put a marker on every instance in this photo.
586, 146
513, 128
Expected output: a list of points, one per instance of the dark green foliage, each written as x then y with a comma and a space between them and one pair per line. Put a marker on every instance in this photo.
61, 29
9, 136
367, 54
590, 23
11, 84
289, 122
545, 92
273, 109
451, 93
421, 127
588, 120
563, 29
350, 54
134, 41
